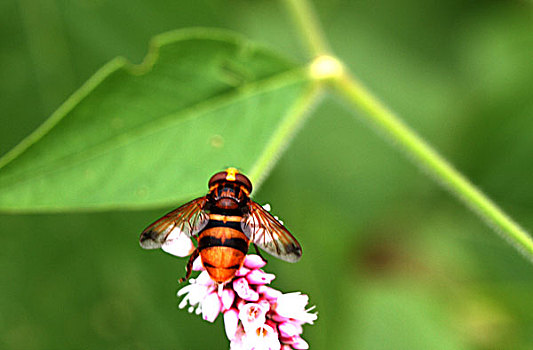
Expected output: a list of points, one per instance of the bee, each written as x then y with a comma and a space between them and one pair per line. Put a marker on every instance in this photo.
223, 223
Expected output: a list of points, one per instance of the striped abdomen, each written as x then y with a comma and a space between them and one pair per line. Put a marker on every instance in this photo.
222, 246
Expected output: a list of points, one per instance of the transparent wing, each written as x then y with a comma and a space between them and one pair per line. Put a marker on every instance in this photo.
269, 234
188, 219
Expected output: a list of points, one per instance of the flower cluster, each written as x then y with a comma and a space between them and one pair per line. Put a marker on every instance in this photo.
256, 316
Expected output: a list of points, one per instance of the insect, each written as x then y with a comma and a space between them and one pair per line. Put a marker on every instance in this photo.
224, 223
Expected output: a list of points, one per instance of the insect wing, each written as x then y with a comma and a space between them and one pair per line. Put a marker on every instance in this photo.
188, 219
269, 234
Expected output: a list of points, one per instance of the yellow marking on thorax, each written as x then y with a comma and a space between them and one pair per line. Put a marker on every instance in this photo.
232, 172
225, 218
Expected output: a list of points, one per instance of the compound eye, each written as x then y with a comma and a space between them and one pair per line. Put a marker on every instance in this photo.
221, 176
231, 175
243, 180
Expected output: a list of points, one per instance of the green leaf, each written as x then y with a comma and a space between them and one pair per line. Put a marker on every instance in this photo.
138, 136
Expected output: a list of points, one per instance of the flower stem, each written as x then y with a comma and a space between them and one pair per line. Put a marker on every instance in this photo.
327, 69
427, 158
308, 25
284, 133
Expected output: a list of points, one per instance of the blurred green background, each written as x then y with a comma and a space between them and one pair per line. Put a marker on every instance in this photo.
390, 259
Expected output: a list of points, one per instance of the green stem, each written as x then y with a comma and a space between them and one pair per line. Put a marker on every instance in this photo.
426, 157
308, 25
282, 136
328, 69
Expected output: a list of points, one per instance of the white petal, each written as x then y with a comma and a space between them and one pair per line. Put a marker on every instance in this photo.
231, 321
211, 306
262, 338
186, 289
292, 305
227, 297
197, 265
204, 279
237, 343
178, 244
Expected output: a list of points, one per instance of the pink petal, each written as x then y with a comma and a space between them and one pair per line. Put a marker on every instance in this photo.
260, 277
243, 290
265, 304
279, 318
240, 303
228, 296
243, 271
231, 321
299, 343
211, 306
254, 261
268, 292
238, 341
286, 347
290, 329
273, 325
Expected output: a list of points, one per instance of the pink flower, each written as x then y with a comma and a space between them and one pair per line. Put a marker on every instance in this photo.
211, 306
299, 343
254, 261
242, 288
290, 329
256, 316
253, 315
227, 298
259, 277
201, 295
231, 323
292, 306
238, 342
262, 338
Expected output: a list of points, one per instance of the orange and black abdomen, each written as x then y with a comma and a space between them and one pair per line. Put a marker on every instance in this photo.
222, 246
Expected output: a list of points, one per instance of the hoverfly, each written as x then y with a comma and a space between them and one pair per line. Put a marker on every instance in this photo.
224, 223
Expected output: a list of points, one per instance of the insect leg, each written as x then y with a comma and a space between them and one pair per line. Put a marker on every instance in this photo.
259, 253
189, 266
